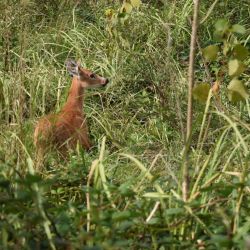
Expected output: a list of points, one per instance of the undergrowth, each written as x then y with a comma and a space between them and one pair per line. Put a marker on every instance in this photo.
125, 193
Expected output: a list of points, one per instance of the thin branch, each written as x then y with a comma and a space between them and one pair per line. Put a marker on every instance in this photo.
191, 67
185, 184
157, 204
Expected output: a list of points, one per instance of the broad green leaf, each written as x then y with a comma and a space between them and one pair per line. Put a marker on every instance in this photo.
223, 241
237, 91
154, 221
125, 189
135, 3
127, 7
235, 67
218, 36
221, 25
174, 211
121, 15
4, 183
120, 216
237, 28
200, 92
30, 179
210, 52
240, 52
125, 225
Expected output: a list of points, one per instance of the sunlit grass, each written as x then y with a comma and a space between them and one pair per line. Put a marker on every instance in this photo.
137, 125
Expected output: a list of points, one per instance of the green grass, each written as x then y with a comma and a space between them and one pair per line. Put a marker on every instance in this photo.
133, 179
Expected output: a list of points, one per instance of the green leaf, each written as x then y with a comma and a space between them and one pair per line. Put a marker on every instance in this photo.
30, 179
174, 211
218, 36
125, 225
240, 52
4, 183
122, 15
222, 25
127, 7
154, 221
126, 190
221, 240
121, 216
200, 92
235, 67
237, 91
210, 52
135, 3
237, 28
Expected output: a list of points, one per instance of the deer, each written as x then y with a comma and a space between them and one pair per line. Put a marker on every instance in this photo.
64, 130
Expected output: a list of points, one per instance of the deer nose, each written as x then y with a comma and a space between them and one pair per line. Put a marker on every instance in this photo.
106, 82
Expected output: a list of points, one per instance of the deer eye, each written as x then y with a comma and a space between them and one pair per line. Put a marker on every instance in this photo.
92, 75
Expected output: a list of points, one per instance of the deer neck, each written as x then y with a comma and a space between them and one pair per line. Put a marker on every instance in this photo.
75, 98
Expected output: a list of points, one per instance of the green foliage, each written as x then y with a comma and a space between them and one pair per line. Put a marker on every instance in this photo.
221, 29
240, 52
234, 53
126, 192
200, 92
237, 28
210, 52
237, 91
235, 68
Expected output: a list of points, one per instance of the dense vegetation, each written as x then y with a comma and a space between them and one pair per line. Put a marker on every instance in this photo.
127, 192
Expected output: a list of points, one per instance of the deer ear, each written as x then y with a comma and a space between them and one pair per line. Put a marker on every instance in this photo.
72, 67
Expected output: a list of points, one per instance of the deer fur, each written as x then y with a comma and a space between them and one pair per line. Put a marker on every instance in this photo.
67, 128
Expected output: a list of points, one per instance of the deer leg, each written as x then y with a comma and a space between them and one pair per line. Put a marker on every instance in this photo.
85, 141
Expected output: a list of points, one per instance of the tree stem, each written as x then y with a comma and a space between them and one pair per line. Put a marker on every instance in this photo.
191, 67
185, 184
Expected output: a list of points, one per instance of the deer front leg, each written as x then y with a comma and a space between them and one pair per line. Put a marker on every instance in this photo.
84, 135
85, 141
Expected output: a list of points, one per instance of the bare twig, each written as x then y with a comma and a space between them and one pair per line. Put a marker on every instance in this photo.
191, 67
157, 204
185, 184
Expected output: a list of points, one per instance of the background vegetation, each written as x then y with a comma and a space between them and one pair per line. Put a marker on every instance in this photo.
126, 193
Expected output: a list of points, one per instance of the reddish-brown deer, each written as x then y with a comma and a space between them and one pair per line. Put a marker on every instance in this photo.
67, 128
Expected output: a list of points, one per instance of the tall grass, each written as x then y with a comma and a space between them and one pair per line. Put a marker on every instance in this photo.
125, 193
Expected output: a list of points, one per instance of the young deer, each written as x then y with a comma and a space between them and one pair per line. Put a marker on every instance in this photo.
67, 128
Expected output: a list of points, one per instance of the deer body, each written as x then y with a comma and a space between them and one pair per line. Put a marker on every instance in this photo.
67, 128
